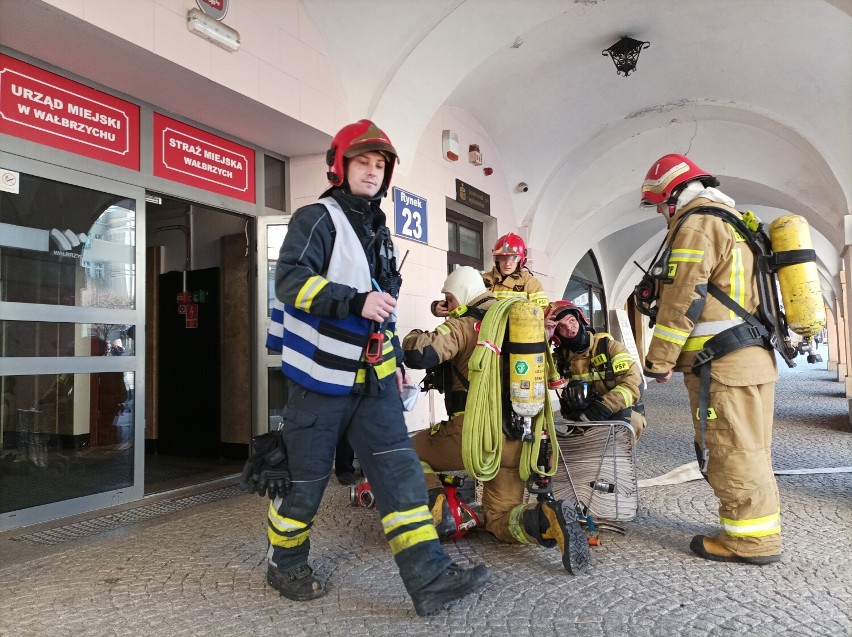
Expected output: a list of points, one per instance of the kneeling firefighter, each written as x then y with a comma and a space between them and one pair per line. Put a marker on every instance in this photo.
450, 348
604, 380
711, 296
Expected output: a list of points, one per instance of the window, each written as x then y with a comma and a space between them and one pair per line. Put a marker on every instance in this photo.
67, 245
464, 241
273, 178
585, 289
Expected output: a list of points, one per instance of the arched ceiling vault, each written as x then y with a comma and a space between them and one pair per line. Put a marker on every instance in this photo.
756, 92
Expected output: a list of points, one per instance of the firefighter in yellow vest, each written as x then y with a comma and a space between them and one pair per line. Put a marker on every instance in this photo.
604, 380
451, 345
704, 273
509, 276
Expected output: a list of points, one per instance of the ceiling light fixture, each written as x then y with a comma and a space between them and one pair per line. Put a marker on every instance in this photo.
625, 54
213, 30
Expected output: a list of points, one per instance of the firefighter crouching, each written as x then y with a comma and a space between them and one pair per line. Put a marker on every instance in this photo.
705, 275
604, 381
450, 346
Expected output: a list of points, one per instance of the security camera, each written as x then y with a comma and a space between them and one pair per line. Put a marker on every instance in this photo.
523, 187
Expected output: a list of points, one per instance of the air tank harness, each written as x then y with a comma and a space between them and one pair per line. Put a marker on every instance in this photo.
482, 434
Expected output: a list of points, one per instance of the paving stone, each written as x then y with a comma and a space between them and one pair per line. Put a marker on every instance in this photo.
201, 570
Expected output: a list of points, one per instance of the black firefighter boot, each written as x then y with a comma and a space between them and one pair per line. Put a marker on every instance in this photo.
449, 587
555, 523
445, 523
298, 584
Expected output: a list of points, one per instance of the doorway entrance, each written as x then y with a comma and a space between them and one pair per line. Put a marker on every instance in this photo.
198, 358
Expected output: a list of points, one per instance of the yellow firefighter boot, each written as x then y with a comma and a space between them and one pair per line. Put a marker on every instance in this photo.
712, 548
556, 523
442, 517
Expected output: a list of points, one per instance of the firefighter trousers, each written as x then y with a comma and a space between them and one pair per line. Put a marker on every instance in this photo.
442, 451
739, 438
375, 427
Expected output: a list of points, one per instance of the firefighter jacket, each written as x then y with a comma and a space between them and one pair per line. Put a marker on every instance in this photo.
322, 279
520, 283
706, 249
452, 343
622, 389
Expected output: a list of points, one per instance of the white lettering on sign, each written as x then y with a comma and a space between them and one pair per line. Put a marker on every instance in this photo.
187, 148
70, 124
98, 118
53, 103
415, 202
225, 161
413, 226
210, 168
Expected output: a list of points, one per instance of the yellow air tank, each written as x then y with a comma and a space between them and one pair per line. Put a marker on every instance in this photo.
800, 289
527, 349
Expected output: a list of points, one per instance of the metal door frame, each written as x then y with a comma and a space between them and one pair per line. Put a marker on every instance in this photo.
47, 365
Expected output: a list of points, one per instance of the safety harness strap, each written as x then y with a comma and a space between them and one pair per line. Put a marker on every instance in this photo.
747, 334
603, 365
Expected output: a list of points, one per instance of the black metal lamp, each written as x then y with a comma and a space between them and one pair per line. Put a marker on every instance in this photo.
625, 54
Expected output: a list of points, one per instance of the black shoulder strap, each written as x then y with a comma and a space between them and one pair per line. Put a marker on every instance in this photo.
602, 363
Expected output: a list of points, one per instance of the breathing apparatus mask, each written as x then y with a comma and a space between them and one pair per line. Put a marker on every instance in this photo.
576, 398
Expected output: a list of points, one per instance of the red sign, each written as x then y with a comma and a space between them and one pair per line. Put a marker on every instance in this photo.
190, 156
192, 315
214, 8
48, 109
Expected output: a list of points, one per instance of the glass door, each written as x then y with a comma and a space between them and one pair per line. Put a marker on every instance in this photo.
271, 386
71, 338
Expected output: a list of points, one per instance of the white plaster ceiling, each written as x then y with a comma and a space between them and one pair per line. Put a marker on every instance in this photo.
759, 92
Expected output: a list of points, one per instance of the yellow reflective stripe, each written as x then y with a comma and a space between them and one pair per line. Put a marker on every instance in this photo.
625, 393
622, 362
737, 282
426, 467
696, 343
678, 337
504, 294
309, 290
280, 530
443, 329
587, 377
755, 527
283, 524
406, 540
686, 255
516, 524
383, 369
396, 519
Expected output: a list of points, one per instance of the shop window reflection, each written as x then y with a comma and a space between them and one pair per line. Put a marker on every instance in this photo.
64, 436
67, 245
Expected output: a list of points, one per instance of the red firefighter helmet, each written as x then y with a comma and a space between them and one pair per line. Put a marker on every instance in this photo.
511, 245
354, 139
558, 310
666, 175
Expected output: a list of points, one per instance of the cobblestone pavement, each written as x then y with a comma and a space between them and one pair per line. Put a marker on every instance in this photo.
200, 570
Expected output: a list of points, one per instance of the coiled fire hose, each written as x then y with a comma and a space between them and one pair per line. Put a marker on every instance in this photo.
482, 434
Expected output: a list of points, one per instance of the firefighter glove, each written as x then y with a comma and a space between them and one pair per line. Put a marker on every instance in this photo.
266, 471
598, 411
